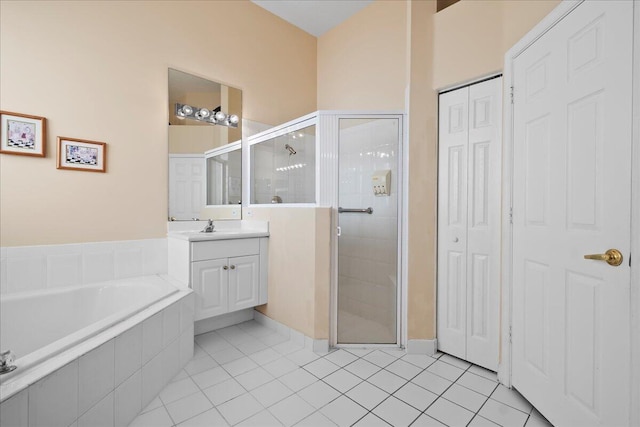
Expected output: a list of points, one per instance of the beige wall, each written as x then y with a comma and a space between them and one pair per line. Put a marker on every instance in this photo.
360, 62
299, 274
98, 70
471, 37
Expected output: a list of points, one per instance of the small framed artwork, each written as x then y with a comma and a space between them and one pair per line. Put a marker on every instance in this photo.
82, 155
22, 134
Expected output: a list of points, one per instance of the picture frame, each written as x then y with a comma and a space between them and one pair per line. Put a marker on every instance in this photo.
23, 134
81, 154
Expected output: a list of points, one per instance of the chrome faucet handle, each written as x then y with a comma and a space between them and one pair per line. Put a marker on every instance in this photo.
6, 362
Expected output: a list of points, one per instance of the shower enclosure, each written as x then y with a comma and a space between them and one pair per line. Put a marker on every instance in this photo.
351, 162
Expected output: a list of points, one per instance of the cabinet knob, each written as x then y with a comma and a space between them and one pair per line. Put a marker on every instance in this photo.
233, 267
225, 268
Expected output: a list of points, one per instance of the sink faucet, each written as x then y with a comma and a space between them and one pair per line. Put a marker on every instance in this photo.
209, 228
6, 362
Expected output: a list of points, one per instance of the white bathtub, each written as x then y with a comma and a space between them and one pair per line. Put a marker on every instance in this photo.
51, 332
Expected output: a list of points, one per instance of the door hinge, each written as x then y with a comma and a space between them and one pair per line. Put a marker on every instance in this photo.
510, 334
511, 94
511, 215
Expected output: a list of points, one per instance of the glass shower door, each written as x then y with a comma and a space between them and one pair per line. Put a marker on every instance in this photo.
369, 174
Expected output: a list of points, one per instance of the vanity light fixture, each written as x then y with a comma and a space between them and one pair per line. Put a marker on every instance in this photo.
184, 111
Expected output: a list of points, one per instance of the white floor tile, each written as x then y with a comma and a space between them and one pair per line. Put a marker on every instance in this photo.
298, 379
359, 352
426, 421
420, 360
464, 397
302, 357
155, 403
432, 382
239, 366
512, 398
403, 369
318, 394
490, 375
188, 407
458, 363
252, 346
224, 391
478, 421
287, 347
240, 408
342, 380
178, 390
396, 412
155, 418
316, 420
503, 414
265, 356
396, 352
271, 393
254, 378
379, 358
195, 366
227, 355
477, 383
280, 367
273, 339
387, 381
445, 370
343, 411
449, 413
416, 396
371, 420
291, 410
199, 352
535, 414
261, 419
321, 368
367, 395
341, 357
535, 421
211, 377
213, 344
208, 418
180, 376
362, 368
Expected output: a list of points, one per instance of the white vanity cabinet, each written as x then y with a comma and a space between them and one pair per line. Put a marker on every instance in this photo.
226, 275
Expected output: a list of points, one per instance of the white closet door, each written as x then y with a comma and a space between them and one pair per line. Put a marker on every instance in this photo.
186, 186
571, 197
469, 223
452, 222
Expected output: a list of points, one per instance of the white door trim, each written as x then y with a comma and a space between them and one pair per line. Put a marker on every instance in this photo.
504, 370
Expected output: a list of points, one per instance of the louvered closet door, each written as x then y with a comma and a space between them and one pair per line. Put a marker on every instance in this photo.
469, 223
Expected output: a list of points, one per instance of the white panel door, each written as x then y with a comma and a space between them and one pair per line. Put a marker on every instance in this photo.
571, 197
469, 222
244, 289
210, 283
186, 186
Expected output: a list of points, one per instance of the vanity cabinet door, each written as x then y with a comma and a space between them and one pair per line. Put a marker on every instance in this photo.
244, 282
210, 284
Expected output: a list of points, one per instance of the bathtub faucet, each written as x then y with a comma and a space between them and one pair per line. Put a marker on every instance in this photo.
6, 362
209, 228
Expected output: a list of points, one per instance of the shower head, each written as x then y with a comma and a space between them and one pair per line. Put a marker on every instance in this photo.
290, 149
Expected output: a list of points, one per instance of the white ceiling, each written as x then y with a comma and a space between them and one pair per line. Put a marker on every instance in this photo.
316, 17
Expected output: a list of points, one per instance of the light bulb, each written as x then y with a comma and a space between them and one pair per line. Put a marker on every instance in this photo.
233, 119
198, 115
187, 110
220, 116
204, 113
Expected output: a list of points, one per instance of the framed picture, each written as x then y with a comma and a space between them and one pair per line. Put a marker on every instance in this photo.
82, 155
22, 134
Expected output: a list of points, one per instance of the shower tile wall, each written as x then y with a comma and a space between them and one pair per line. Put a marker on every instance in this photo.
29, 268
368, 248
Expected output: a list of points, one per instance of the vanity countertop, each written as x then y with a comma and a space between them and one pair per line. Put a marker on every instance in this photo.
198, 236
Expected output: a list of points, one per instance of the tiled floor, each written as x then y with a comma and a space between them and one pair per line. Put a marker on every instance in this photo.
248, 375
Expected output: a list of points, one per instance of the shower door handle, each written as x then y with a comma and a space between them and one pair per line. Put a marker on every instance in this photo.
347, 210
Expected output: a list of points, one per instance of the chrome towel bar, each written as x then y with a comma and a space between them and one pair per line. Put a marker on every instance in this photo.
345, 210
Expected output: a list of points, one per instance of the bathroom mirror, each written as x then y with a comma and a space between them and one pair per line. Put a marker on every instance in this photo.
194, 193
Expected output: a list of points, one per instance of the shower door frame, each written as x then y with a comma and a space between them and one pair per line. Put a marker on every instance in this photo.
330, 124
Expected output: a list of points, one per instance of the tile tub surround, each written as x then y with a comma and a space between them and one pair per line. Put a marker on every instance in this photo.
30, 268
109, 378
251, 375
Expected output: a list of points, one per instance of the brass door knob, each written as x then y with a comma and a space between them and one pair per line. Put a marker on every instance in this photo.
612, 257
